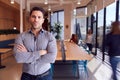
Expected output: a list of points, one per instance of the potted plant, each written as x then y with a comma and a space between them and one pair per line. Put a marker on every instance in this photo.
57, 28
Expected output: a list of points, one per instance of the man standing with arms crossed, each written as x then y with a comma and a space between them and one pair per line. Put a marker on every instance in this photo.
36, 49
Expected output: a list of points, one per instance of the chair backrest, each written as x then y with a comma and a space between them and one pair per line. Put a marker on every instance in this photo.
84, 45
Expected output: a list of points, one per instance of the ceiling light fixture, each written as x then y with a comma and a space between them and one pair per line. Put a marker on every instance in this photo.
51, 13
49, 8
14, 28
46, 2
74, 11
78, 2
12, 1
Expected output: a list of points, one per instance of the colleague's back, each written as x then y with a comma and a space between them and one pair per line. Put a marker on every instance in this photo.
113, 42
113, 45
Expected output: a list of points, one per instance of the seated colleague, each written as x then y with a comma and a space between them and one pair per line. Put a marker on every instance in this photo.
74, 38
36, 49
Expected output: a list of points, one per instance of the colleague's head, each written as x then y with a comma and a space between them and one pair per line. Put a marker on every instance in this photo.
74, 38
89, 31
37, 17
115, 27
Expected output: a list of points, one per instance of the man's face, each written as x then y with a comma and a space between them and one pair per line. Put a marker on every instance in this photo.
36, 19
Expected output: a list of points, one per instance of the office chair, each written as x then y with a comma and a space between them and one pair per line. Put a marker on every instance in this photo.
52, 68
81, 64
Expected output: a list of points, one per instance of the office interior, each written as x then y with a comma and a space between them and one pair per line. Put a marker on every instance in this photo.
75, 17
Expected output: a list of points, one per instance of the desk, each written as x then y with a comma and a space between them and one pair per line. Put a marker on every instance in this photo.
71, 51
74, 52
68, 51
59, 51
2, 51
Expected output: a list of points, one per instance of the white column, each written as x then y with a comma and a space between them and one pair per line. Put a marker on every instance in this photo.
28, 5
21, 16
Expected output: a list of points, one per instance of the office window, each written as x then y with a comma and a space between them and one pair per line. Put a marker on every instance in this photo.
109, 20
119, 10
58, 17
89, 22
81, 22
110, 16
94, 23
61, 20
100, 28
94, 29
53, 19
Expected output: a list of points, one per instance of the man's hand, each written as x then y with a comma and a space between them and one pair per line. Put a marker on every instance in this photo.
43, 52
21, 48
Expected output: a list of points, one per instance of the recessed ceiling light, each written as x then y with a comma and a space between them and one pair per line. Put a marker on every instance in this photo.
12, 1
74, 11
49, 8
46, 2
78, 2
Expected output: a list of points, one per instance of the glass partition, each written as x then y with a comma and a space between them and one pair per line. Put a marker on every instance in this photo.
100, 28
94, 29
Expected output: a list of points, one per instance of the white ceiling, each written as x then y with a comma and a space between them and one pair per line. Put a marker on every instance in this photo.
31, 3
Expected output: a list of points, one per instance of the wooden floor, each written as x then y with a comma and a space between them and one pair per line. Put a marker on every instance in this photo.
13, 71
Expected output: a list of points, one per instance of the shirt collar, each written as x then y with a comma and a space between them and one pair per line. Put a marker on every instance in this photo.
30, 31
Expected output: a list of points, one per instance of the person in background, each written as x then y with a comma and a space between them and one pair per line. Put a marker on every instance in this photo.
74, 38
45, 24
113, 46
89, 39
36, 49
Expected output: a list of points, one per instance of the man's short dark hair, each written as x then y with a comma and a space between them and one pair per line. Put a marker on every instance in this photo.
37, 9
